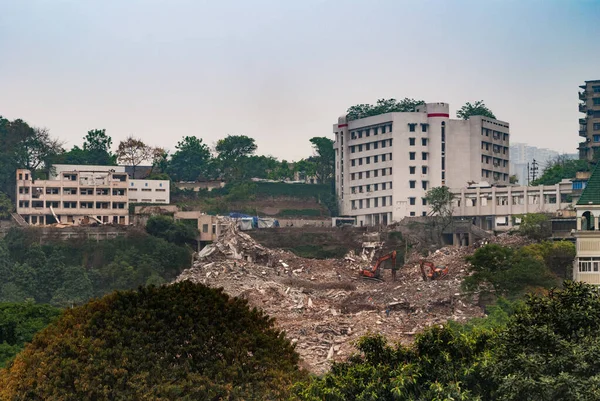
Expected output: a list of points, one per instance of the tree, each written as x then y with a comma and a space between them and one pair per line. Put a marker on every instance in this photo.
559, 169
510, 273
160, 161
476, 109
133, 152
96, 151
513, 179
176, 232
190, 161
6, 206
18, 324
182, 341
440, 200
324, 159
232, 156
381, 107
536, 226
549, 349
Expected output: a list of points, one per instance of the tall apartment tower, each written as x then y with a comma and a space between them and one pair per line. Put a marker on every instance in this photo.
589, 126
385, 164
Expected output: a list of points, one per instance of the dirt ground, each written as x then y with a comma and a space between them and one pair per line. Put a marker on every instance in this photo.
324, 306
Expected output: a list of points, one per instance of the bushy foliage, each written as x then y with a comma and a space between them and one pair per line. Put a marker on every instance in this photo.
559, 169
176, 232
18, 324
509, 272
184, 341
536, 226
67, 273
477, 108
381, 107
6, 206
557, 255
547, 350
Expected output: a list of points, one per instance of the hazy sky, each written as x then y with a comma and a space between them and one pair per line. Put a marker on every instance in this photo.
282, 71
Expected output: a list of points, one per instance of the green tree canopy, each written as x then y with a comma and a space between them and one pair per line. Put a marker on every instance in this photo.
176, 232
559, 169
381, 107
6, 206
18, 324
133, 152
183, 341
96, 151
324, 159
477, 108
233, 157
191, 160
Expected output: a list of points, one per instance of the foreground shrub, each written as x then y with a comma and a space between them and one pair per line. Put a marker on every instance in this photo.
184, 342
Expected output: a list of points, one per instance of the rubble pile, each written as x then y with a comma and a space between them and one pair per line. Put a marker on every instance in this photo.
323, 305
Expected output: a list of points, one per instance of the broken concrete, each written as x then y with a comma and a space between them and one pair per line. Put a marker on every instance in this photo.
323, 305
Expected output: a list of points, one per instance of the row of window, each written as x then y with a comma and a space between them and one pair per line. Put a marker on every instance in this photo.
413, 214
371, 145
413, 155
494, 134
371, 187
495, 161
495, 148
412, 141
73, 205
38, 191
382, 157
502, 200
413, 201
587, 265
596, 101
367, 131
413, 184
372, 202
367, 174
497, 176
413, 169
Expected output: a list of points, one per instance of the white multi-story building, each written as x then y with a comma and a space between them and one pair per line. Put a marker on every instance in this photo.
84, 194
385, 164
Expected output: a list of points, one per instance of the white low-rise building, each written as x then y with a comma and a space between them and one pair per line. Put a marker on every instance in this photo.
84, 195
385, 164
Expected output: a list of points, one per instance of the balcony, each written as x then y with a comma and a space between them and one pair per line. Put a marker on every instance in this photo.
582, 108
583, 132
582, 121
582, 95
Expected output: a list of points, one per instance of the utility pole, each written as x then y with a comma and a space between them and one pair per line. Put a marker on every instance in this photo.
534, 170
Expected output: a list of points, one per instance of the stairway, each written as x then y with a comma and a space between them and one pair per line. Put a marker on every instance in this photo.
19, 219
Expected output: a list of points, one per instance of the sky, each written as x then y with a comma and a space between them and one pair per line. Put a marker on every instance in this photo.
282, 71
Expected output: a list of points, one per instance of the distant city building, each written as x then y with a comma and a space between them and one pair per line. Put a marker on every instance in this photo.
385, 164
76, 195
589, 126
522, 155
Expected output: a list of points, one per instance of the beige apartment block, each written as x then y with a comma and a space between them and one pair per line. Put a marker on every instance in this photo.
385, 164
73, 197
589, 125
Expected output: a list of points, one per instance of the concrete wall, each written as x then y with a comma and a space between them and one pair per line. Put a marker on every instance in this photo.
57, 169
149, 191
196, 186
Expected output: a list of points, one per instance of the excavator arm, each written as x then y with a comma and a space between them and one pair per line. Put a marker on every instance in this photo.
375, 272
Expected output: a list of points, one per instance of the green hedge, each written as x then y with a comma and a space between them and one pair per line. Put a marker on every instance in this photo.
301, 212
292, 190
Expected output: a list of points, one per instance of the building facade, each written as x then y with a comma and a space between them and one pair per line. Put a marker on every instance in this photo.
385, 164
587, 261
84, 195
589, 125
498, 208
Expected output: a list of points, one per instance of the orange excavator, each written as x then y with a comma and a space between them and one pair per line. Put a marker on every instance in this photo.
375, 271
432, 272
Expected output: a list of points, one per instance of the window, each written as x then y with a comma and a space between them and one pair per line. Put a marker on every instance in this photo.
383, 129
596, 138
360, 204
368, 174
360, 161
424, 214
383, 171
596, 101
383, 200
424, 169
353, 162
424, 142
412, 169
383, 144
412, 184
383, 157
412, 201
375, 173
375, 187
411, 141
383, 186
375, 159
424, 155
412, 155
376, 202
424, 184
360, 148
596, 126
352, 151
368, 204
413, 214
375, 145
368, 188
368, 160
374, 130
390, 155
424, 127
359, 134
352, 176
424, 201
411, 127
596, 89
353, 205
360, 176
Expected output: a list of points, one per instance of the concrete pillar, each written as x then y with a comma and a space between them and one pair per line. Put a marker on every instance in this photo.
579, 223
